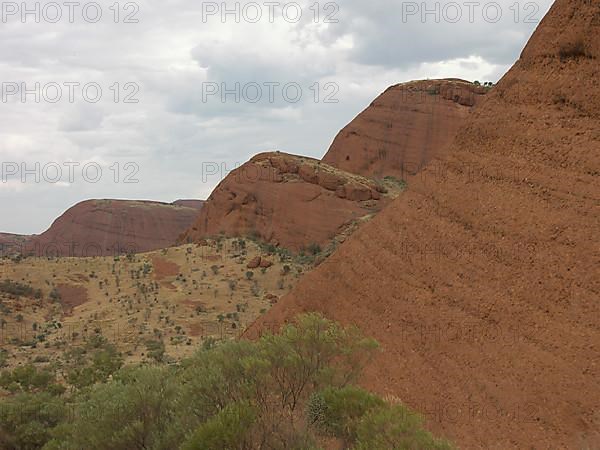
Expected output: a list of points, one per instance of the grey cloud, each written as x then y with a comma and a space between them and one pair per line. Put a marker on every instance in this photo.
82, 119
171, 132
387, 34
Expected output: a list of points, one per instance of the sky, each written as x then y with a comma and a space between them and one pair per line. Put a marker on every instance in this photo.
160, 99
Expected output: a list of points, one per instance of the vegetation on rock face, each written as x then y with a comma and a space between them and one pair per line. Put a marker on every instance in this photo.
487, 84
288, 390
573, 50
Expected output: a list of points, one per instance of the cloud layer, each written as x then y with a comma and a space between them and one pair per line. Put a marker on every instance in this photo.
180, 86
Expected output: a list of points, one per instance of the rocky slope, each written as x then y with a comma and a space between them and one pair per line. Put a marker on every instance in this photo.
108, 227
404, 128
288, 200
11, 243
481, 281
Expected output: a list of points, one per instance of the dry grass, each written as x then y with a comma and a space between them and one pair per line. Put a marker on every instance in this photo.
181, 295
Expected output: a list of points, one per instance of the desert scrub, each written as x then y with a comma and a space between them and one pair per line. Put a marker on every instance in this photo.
17, 289
291, 389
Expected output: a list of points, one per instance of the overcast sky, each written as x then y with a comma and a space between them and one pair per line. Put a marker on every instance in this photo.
161, 119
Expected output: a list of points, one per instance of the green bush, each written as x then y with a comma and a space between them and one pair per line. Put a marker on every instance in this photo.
28, 420
339, 411
135, 410
156, 350
228, 429
364, 421
394, 427
289, 390
105, 360
26, 379
314, 249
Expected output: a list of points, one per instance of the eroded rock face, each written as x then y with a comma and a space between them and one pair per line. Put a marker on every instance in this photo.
111, 227
295, 202
404, 128
287, 200
481, 281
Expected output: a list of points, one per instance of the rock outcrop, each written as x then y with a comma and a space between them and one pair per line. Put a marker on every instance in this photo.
404, 128
481, 281
111, 227
288, 200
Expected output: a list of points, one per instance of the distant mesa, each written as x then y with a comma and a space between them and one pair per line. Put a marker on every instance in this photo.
109, 227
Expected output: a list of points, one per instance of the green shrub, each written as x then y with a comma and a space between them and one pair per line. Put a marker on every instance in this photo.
394, 427
136, 410
28, 420
26, 378
338, 411
105, 361
286, 390
228, 429
314, 249
155, 350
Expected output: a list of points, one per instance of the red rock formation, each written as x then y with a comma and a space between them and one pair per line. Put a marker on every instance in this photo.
288, 200
12, 243
292, 201
404, 128
481, 281
254, 263
109, 227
